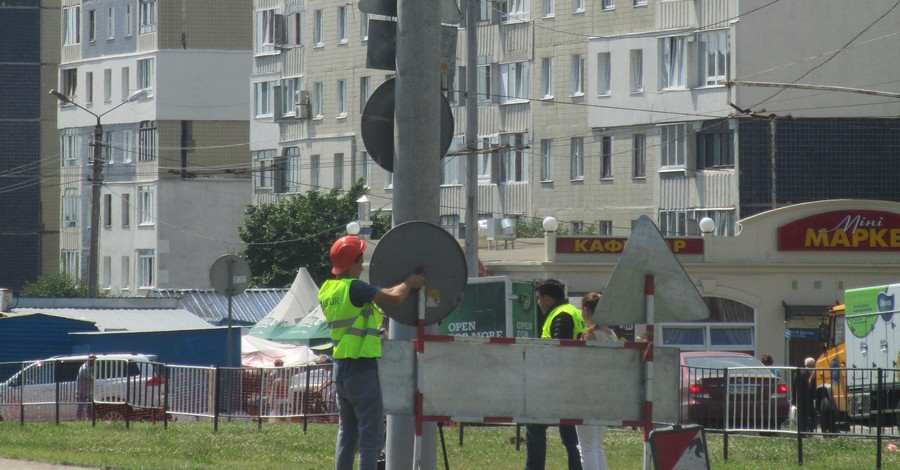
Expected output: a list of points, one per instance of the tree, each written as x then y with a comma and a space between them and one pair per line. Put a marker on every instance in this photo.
56, 285
296, 232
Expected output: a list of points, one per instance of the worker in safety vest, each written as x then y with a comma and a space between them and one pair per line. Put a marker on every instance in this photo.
354, 319
562, 321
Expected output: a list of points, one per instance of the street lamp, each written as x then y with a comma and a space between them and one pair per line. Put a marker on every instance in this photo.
96, 179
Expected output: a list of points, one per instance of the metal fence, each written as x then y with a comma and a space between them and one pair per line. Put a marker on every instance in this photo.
133, 390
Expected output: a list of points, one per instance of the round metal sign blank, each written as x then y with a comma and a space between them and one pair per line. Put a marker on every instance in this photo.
409, 248
229, 275
378, 125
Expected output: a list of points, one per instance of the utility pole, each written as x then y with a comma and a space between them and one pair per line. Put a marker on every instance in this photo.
472, 137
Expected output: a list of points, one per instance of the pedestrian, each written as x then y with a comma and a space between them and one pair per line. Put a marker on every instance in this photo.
562, 321
279, 390
590, 438
84, 388
769, 362
804, 396
353, 319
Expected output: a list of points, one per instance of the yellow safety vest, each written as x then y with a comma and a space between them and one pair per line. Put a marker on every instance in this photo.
354, 330
576, 319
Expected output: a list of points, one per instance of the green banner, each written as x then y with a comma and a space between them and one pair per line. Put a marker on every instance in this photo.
481, 313
863, 308
524, 311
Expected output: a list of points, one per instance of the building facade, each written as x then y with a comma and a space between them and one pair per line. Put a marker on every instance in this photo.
29, 191
175, 177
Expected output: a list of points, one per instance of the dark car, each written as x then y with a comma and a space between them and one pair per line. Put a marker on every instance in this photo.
756, 398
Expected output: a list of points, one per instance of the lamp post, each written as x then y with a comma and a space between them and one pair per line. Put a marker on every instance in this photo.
96, 180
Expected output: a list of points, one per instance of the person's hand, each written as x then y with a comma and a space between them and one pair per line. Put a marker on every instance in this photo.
416, 281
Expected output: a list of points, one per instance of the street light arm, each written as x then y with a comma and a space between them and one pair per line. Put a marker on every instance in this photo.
131, 99
65, 100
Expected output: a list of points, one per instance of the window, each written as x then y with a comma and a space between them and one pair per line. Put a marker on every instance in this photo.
639, 154
513, 161
70, 147
637, 70
92, 25
292, 170
147, 16
71, 25
548, 8
484, 160
604, 74
107, 271
450, 223
365, 86
126, 273
450, 168
107, 85
145, 205
672, 146
546, 159
672, 67
714, 55
108, 145
69, 262
129, 21
147, 141
110, 23
364, 27
609, 4
294, 29
485, 10
576, 152
146, 268
342, 25
640, 3
715, 146
341, 98
606, 157
484, 80
263, 166
127, 149
289, 87
318, 105
338, 171
145, 74
388, 180
604, 228
366, 167
70, 208
126, 83
577, 6
126, 210
265, 31
577, 75
513, 82
68, 83
262, 97
89, 87
547, 76
107, 210
314, 172
724, 219
318, 26
514, 10
675, 223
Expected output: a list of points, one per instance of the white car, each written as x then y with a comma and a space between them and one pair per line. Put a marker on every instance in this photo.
46, 389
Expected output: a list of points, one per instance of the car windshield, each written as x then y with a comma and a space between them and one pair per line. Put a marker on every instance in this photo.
721, 362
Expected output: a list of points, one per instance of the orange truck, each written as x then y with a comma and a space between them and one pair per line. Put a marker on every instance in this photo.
858, 338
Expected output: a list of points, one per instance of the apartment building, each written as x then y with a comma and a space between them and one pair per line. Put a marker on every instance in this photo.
175, 176
29, 191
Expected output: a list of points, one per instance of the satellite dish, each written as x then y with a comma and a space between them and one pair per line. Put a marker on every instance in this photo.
378, 125
416, 245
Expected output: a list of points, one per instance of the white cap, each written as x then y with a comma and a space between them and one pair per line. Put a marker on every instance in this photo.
809, 362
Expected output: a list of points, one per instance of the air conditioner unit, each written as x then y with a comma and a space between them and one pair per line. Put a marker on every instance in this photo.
301, 104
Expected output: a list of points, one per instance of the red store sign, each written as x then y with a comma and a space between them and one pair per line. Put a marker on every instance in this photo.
848, 230
615, 245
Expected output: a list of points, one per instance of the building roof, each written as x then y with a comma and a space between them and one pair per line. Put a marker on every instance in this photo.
132, 320
247, 308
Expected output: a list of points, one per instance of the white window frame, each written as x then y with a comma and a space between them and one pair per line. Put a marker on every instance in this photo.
127, 149
341, 99
107, 211
263, 169
110, 23
604, 74
107, 272
672, 146
125, 273
342, 24
148, 16
68, 83
265, 31
318, 28
577, 6
146, 269
640, 3
549, 9
68, 262
606, 157
514, 11
366, 167
129, 21
364, 27
546, 159
89, 87
388, 180
147, 140
125, 83
71, 25
338, 171
365, 87
126, 210
673, 62
314, 170
145, 206
263, 99
92, 25
636, 71
289, 87
514, 160
547, 77
576, 159
608, 5
714, 57
483, 85
109, 139
70, 208
604, 228
639, 156
107, 85
70, 147
577, 74
292, 169
318, 100
146, 75
514, 84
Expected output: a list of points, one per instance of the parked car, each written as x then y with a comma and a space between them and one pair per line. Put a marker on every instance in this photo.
754, 398
122, 383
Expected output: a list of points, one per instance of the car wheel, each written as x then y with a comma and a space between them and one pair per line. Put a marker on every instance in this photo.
113, 413
827, 416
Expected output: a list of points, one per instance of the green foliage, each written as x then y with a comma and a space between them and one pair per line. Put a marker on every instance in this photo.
533, 227
296, 232
381, 223
56, 285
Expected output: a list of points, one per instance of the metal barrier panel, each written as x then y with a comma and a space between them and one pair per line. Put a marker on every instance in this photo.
735, 399
295, 392
191, 390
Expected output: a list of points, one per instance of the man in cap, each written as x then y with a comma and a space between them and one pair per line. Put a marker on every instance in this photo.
353, 318
84, 387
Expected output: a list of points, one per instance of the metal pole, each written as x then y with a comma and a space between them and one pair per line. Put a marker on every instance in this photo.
230, 292
416, 176
96, 181
472, 137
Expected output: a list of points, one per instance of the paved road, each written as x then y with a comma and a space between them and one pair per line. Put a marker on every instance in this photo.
11, 464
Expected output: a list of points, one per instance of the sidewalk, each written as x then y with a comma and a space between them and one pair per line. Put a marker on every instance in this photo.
13, 464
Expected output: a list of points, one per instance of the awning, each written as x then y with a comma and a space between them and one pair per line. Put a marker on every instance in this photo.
791, 311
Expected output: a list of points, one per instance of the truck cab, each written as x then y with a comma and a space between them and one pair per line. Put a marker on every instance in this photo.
831, 375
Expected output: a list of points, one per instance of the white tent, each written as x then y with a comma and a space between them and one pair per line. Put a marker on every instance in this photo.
297, 318
258, 352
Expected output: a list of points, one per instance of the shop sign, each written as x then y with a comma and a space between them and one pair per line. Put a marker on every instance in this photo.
615, 245
848, 230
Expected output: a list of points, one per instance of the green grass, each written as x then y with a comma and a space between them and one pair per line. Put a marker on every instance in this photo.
238, 445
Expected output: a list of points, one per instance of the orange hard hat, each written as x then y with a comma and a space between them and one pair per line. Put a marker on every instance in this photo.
344, 253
